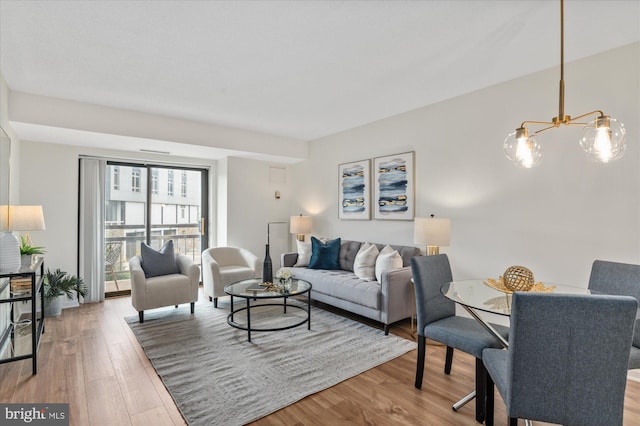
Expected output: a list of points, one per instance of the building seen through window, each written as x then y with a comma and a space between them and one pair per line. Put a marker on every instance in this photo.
135, 180
141, 206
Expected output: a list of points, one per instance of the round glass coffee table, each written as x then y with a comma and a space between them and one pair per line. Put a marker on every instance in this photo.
251, 290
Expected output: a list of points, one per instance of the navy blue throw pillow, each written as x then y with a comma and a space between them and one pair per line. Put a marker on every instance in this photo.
325, 255
155, 263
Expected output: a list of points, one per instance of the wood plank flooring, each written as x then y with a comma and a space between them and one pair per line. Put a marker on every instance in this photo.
90, 359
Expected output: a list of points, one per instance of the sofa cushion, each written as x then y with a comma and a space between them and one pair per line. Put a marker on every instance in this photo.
342, 285
365, 264
324, 255
158, 262
348, 252
387, 259
304, 253
406, 252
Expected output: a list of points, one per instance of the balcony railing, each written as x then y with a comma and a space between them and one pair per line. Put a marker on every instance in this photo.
122, 242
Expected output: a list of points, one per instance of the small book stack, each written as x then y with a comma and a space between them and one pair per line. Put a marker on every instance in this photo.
255, 287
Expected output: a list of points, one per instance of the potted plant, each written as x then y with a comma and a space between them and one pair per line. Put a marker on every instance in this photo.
27, 251
58, 283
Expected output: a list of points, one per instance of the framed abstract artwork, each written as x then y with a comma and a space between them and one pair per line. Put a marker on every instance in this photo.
394, 187
354, 190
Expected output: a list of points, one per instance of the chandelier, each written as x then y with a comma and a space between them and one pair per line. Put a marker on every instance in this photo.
602, 139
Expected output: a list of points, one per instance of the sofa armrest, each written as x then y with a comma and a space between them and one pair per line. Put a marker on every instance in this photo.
252, 261
397, 294
210, 274
138, 283
189, 268
288, 260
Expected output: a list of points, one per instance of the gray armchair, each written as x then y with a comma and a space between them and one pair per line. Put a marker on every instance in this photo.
225, 265
164, 290
622, 279
437, 321
567, 359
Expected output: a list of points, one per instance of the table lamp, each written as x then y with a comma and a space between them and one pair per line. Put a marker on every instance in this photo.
300, 225
432, 232
17, 218
27, 218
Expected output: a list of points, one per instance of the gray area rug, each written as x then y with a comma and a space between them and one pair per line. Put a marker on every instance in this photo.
216, 377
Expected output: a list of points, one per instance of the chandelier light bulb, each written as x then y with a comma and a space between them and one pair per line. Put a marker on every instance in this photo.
522, 149
603, 139
602, 144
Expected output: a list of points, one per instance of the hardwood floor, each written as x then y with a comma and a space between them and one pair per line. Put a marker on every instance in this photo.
90, 359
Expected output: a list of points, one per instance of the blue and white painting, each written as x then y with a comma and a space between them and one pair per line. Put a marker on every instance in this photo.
354, 190
394, 187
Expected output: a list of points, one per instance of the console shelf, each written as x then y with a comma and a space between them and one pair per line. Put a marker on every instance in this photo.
22, 313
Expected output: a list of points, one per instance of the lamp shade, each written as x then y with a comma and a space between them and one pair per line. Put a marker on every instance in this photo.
431, 231
26, 218
300, 225
4, 217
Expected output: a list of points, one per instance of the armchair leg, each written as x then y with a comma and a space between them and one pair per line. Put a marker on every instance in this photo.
193, 306
513, 421
386, 329
176, 306
210, 299
481, 390
448, 360
420, 362
215, 302
141, 316
489, 396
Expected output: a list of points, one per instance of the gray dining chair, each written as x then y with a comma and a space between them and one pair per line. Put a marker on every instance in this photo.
621, 279
437, 320
567, 359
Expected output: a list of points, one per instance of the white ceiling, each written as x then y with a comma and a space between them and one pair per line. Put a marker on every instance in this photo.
299, 69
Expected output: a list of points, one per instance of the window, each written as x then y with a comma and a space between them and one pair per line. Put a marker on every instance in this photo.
170, 183
155, 181
183, 184
141, 211
116, 178
135, 180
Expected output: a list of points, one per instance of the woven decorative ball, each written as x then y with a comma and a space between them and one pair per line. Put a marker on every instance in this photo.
518, 278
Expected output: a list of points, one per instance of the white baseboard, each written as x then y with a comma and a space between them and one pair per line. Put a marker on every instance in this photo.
634, 375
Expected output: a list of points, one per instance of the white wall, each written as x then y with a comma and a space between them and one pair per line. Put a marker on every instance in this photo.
555, 219
251, 204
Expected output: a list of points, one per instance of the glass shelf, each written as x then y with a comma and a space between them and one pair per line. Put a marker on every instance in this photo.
22, 313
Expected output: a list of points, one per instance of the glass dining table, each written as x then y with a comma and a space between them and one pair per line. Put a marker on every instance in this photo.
479, 296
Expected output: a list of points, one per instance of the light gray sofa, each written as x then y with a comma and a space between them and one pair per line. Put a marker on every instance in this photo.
386, 302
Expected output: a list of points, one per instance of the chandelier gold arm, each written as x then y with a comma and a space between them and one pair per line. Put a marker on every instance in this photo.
556, 122
603, 137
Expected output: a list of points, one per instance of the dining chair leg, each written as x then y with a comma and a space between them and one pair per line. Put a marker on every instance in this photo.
489, 400
448, 360
420, 361
481, 390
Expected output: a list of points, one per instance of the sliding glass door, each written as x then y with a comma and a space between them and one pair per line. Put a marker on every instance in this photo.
151, 204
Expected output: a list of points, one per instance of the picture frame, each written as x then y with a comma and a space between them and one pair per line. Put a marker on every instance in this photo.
394, 187
354, 190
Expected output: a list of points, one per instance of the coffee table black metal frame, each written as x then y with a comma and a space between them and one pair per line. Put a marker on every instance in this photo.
239, 289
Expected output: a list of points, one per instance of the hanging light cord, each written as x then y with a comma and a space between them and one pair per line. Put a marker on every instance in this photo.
561, 118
